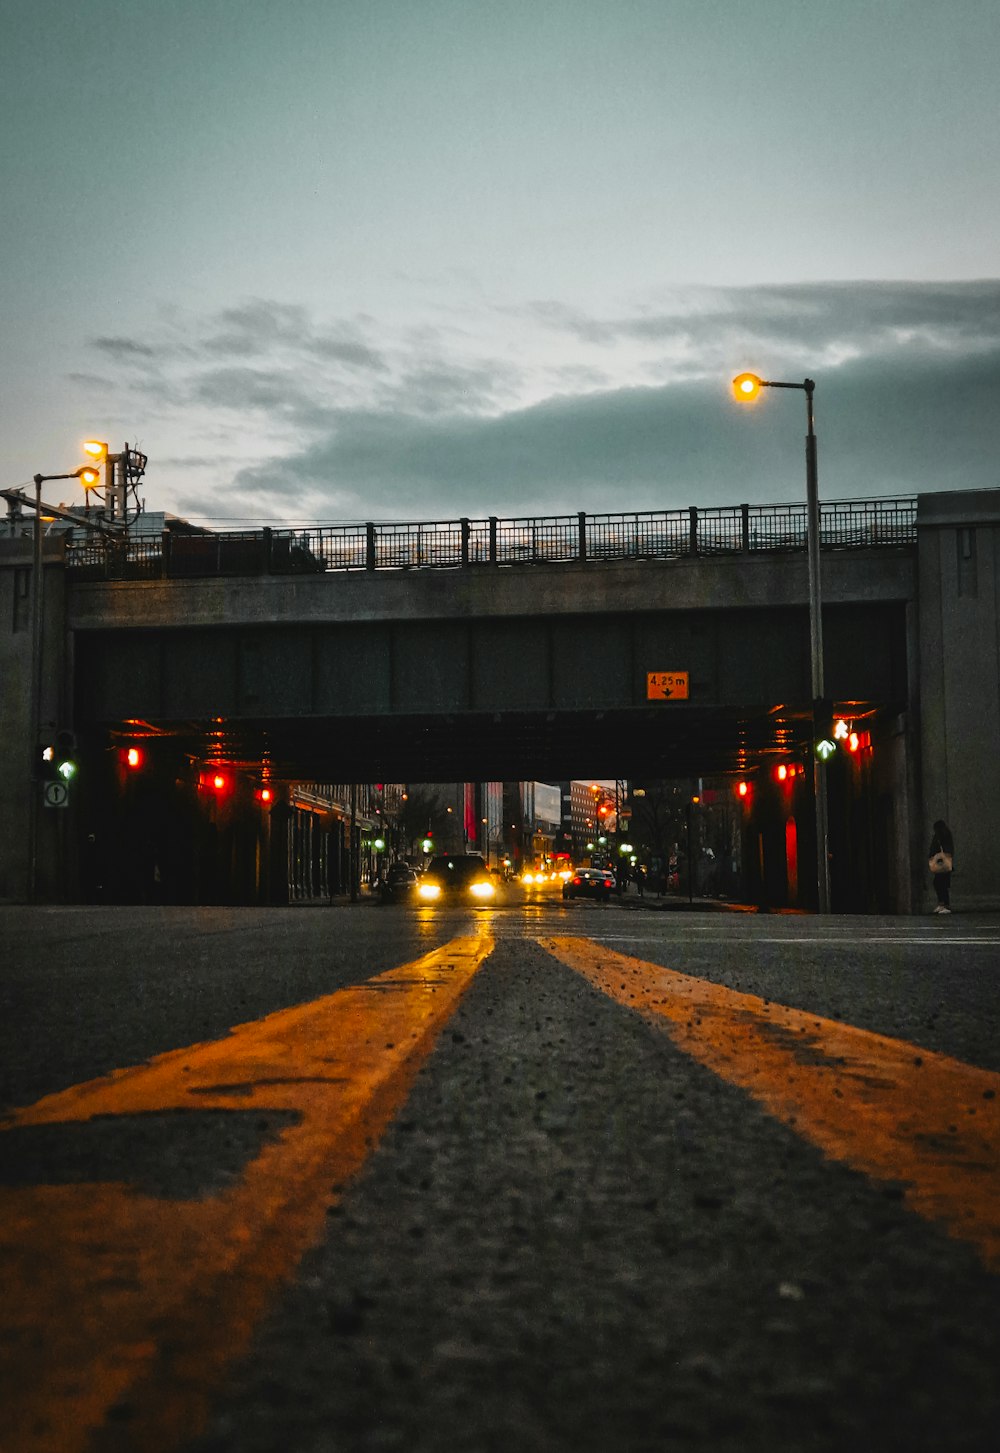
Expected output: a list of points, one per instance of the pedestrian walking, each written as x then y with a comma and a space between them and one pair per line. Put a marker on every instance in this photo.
941, 860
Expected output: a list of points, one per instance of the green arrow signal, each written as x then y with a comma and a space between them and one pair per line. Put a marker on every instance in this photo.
825, 749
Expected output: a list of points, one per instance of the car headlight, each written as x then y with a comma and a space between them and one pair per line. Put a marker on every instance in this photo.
527, 878
429, 890
482, 890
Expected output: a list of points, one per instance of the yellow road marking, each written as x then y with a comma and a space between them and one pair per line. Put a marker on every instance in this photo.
117, 1299
883, 1106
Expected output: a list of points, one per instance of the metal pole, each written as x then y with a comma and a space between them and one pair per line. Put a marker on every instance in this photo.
355, 855
687, 813
35, 725
816, 652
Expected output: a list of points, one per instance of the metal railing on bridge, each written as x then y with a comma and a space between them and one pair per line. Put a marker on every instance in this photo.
496, 541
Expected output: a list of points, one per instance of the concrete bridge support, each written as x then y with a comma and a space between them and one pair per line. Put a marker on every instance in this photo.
36, 863
958, 630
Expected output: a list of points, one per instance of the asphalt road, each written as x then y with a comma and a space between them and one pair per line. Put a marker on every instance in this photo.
496, 1180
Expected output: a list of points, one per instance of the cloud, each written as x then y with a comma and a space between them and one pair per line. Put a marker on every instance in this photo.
123, 348
263, 327
552, 410
243, 389
269, 358
814, 314
881, 431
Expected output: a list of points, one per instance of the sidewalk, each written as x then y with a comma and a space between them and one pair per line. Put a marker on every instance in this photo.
679, 903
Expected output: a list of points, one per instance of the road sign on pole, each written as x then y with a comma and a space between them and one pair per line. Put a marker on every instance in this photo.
56, 794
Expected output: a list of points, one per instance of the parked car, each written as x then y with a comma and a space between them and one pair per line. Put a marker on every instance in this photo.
399, 884
590, 883
460, 878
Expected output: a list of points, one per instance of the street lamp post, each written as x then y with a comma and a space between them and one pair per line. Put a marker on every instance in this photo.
89, 476
747, 386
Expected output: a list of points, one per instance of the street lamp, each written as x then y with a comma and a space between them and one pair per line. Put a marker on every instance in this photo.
122, 471
746, 387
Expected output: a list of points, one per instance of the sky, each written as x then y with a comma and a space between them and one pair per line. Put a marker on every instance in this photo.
338, 260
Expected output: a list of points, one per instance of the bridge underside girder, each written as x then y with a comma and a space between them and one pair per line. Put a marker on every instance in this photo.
671, 740
490, 699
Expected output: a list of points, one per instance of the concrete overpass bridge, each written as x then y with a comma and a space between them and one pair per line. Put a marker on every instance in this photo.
518, 649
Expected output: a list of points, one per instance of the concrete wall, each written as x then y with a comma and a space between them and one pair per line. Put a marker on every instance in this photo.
29, 832
735, 659
760, 581
958, 564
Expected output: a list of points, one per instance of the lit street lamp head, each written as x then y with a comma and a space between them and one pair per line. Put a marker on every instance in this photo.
747, 386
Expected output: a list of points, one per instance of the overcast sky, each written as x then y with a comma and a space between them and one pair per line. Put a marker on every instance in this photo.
385, 259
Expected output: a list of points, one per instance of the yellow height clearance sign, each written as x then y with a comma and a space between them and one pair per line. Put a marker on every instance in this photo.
666, 685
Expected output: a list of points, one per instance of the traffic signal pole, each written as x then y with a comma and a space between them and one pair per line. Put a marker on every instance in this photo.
816, 654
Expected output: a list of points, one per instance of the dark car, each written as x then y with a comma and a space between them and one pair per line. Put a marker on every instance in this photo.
399, 883
590, 883
458, 878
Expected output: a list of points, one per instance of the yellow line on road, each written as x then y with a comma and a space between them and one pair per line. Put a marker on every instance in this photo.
895, 1111
120, 1303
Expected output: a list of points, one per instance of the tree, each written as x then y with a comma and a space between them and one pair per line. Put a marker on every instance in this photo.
658, 820
409, 815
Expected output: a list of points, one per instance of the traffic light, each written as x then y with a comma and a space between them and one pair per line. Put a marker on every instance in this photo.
824, 729
134, 758
46, 764
428, 843
64, 755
